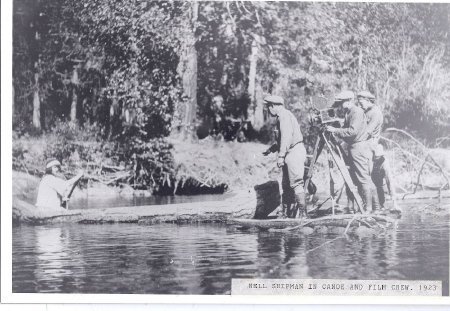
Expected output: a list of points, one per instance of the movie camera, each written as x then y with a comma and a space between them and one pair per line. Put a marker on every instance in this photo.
321, 112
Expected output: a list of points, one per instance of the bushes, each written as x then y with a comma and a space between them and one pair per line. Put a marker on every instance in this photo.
417, 94
143, 164
150, 163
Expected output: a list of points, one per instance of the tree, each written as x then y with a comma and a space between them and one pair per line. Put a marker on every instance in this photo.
187, 69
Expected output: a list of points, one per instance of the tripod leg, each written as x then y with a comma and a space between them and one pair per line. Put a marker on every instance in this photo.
338, 160
341, 191
317, 150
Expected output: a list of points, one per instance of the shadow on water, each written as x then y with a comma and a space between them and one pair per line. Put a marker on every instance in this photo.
203, 258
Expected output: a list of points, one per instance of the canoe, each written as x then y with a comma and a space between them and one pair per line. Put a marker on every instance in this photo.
252, 203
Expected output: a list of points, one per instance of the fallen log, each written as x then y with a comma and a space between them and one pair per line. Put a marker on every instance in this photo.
345, 221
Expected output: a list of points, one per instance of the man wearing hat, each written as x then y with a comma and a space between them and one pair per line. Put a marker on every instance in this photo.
355, 135
291, 156
53, 190
374, 116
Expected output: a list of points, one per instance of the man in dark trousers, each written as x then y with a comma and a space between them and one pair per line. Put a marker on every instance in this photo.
291, 156
355, 135
381, 172
374, 117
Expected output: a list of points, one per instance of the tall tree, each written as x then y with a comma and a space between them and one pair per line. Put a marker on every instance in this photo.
36, 98
187, 70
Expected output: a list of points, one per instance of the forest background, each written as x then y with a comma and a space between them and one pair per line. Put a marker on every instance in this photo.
133, 91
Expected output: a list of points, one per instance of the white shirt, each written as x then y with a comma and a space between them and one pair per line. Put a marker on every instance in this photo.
51, 191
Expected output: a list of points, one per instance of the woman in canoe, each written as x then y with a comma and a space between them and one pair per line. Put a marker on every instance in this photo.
54, 191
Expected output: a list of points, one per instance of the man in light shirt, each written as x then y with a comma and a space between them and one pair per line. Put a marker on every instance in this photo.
374, 115
374, 118
53, 190
291, 156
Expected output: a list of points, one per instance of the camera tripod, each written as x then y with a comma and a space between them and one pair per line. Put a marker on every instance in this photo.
335, 156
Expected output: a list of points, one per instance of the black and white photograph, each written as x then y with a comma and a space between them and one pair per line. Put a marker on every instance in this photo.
227, 148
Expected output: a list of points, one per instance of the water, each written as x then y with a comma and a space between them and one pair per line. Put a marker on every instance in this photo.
203, 258
89, 202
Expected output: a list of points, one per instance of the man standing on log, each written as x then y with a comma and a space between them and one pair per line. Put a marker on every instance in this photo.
360, 153
374, 116
291, 156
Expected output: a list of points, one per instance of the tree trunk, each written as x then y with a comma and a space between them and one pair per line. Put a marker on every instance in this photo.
360, 70
258, 118
252, 82
36, 100
73, 106
342, 220
187, 69
13, 99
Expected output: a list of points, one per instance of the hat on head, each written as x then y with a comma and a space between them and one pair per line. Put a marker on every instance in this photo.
274, 100
343, 97
52, 162
367, 95
379, 150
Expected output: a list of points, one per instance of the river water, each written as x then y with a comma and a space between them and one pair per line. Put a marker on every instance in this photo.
203, 258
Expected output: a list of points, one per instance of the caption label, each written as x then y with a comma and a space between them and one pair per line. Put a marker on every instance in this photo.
335, 287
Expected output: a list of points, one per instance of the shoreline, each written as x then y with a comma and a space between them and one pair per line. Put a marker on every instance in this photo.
239, 204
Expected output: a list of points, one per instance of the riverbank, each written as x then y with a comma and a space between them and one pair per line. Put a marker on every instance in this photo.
197, 167
204, 166
244, 204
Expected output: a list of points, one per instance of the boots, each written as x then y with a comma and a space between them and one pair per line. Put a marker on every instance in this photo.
283, 212
301, 205
366, 196
293, 210
376, 206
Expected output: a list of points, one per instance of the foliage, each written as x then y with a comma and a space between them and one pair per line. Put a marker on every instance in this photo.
418, 95
152, 163
146, 164
119, 63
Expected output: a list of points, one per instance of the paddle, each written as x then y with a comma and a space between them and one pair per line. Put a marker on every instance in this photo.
65, 203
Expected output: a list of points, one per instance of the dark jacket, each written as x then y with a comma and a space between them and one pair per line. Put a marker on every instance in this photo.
354, 129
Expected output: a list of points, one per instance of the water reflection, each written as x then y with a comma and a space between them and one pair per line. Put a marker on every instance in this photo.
202, 259
107, 201
282, 255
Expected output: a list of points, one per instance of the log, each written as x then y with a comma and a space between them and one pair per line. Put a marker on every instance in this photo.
369, 221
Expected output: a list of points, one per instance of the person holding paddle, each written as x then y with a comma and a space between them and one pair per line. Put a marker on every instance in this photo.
54, 191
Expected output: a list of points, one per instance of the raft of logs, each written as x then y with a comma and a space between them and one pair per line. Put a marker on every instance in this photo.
360, 224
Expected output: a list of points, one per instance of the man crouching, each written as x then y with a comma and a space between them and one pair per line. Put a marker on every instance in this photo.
291, 157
